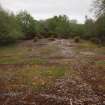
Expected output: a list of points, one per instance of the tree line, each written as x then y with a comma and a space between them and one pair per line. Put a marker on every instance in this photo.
23, 26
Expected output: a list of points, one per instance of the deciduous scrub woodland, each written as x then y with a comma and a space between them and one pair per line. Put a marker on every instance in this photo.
56, 61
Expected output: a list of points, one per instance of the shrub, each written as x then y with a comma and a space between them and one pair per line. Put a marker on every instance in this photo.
77, 39
96, 41
35, 39
10, 31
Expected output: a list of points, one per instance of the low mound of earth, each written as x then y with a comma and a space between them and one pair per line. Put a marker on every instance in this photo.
58, 72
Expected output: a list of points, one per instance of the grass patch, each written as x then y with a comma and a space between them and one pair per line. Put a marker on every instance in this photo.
35, 77
101, 63
20, 60
87, 45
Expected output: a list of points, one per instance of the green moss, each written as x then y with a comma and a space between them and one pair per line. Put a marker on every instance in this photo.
102, 62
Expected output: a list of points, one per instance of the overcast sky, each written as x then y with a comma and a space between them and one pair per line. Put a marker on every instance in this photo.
42, 9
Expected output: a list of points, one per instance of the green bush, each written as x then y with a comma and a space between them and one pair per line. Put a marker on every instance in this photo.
27, 23
10, 31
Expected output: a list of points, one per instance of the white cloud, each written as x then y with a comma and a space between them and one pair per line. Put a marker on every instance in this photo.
42, 9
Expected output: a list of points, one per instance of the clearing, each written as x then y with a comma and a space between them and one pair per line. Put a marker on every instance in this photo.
47, 72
